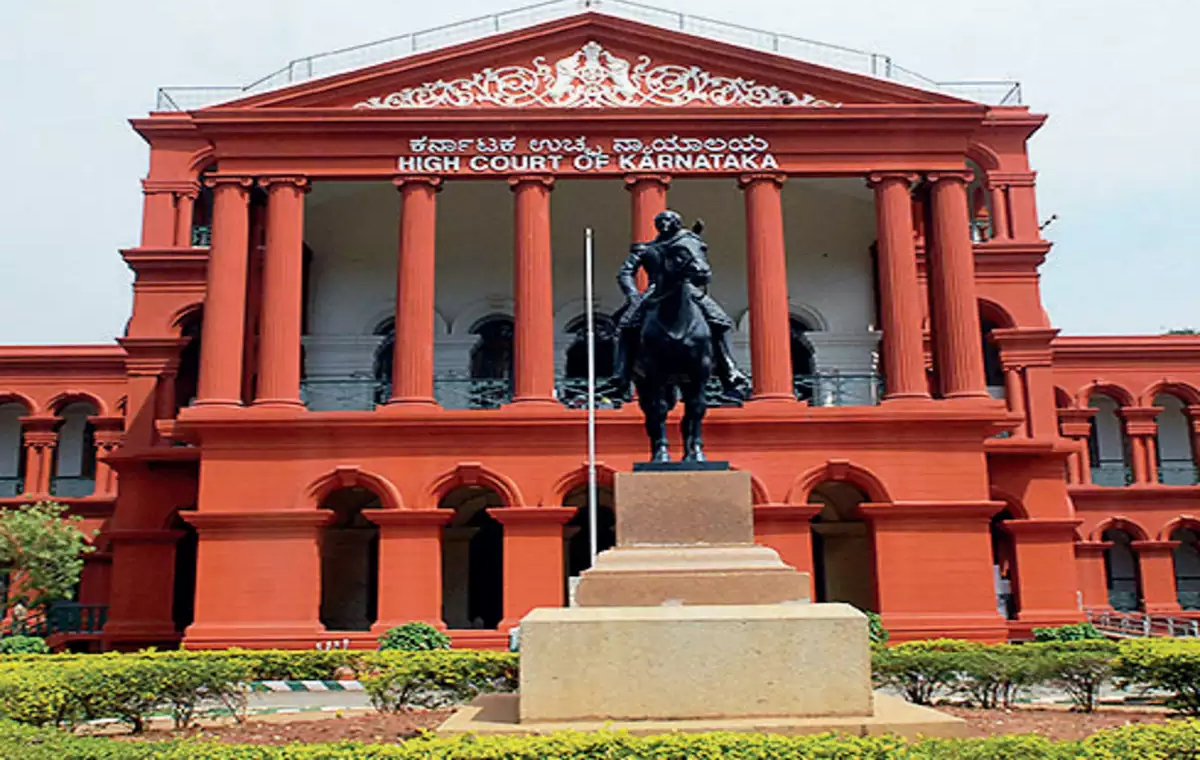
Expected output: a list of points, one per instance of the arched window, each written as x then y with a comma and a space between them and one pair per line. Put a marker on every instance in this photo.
1004, 566
577, 351
1176, 460
1121, 571
1107, 445
472, 560
350, 562
1187, 567
803, 382
993, 368
12, 449
75, 456
492, 354
202, 209
187, 377
843, 556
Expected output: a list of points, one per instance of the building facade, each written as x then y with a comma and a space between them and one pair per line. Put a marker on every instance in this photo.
350, 393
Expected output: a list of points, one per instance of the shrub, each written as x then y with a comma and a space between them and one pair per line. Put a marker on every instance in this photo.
993, 676
413, 637
1080, 668
435, 679
1074, 632
1172, 665
921, 670
23, 645
879, 635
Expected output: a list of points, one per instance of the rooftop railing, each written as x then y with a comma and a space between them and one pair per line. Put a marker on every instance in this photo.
1000, 93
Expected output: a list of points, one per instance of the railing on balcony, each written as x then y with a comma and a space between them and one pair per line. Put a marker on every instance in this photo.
202, 235
1132, 624
1189, 600
1112, 474
12, 486
350, 394
72, 487
838, 389
461, 391
73, 617
1177, 472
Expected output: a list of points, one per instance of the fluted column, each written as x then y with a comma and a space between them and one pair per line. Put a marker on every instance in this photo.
533, 291
222, 333
412, 357
766, 271
282, 293
899, 289
649, 195
999, 197
955, 312
40, 439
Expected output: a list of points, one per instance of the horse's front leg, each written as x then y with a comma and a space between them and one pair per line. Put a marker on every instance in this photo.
654, 410
694, 407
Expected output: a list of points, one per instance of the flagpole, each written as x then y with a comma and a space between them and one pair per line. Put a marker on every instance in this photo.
591, 391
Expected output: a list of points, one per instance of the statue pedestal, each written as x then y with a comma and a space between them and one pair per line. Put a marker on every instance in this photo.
687, 625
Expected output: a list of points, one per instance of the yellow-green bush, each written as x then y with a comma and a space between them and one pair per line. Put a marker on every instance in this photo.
398, 679
1176, 740
1172, 665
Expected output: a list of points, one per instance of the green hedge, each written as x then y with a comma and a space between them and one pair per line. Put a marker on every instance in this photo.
65, 690
1178, 739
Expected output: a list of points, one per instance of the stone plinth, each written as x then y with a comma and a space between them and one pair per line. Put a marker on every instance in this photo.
687, 538
693, 662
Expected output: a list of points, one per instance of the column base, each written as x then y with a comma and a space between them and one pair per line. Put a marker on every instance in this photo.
256, 636
988, 628
217, 402
545, 400
400, 402
969, 396
897, 399
759, 398
278, 403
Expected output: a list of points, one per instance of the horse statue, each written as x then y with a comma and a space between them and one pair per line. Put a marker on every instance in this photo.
677, 334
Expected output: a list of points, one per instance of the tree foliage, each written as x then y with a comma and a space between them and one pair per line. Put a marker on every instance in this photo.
42, 548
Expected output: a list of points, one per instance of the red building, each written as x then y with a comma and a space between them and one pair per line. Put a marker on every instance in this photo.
348, 393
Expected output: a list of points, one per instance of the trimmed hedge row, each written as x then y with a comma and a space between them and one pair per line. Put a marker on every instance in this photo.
66, 690
1178, 739
993, 675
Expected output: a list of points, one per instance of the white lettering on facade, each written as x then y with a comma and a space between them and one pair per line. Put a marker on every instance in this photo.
675, 154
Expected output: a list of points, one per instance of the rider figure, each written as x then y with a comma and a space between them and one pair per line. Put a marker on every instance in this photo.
649, 256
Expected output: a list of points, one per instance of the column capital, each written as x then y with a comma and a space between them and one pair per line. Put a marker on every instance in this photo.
37, 423
965, 176
1093, 548
41, 439
925, 511
225, 180
404, 180
1140, 420
633, 180
107, 423
876, 179
532, 515
299, 182
746, 180
189, 190
409, 518
545, 180
1151, 547
151, 356
171, 186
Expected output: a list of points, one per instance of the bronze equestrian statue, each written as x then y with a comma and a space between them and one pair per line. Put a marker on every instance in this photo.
673, 336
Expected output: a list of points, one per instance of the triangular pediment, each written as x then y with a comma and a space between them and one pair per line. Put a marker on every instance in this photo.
591, 61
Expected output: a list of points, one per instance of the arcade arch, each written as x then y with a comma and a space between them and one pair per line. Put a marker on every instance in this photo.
12, 448
74, 473
1174, 447
349, 545
472, 559
1108, 447
1187, 564
843, 552
1122, 572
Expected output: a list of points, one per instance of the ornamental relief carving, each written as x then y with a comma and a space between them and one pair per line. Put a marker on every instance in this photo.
593, 77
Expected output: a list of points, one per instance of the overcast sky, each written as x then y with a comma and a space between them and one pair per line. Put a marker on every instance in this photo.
1117, 162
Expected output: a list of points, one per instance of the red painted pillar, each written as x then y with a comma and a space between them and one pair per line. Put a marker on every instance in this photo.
1141, 427
649, 193
533, 291
158, 213
934, 569
999, 196
412, 362
41, 439
225, 296
533, 559
282, 293
410, 566
108, 439
787, 528
899, 290
185, 207
1014, 395
766, 271
1045, 551
258, 579
955, 312
1089, 562
1022, 205
140, 614
1157, 563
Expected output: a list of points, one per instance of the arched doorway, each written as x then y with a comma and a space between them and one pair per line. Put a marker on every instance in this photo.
12, 449
183, 597
1187, 566
1107, 444
1173, 442
187, 377
75, 456
472, 560
1004, 566
1122, 575
577, 534
349, 561
843, 554
993, 368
